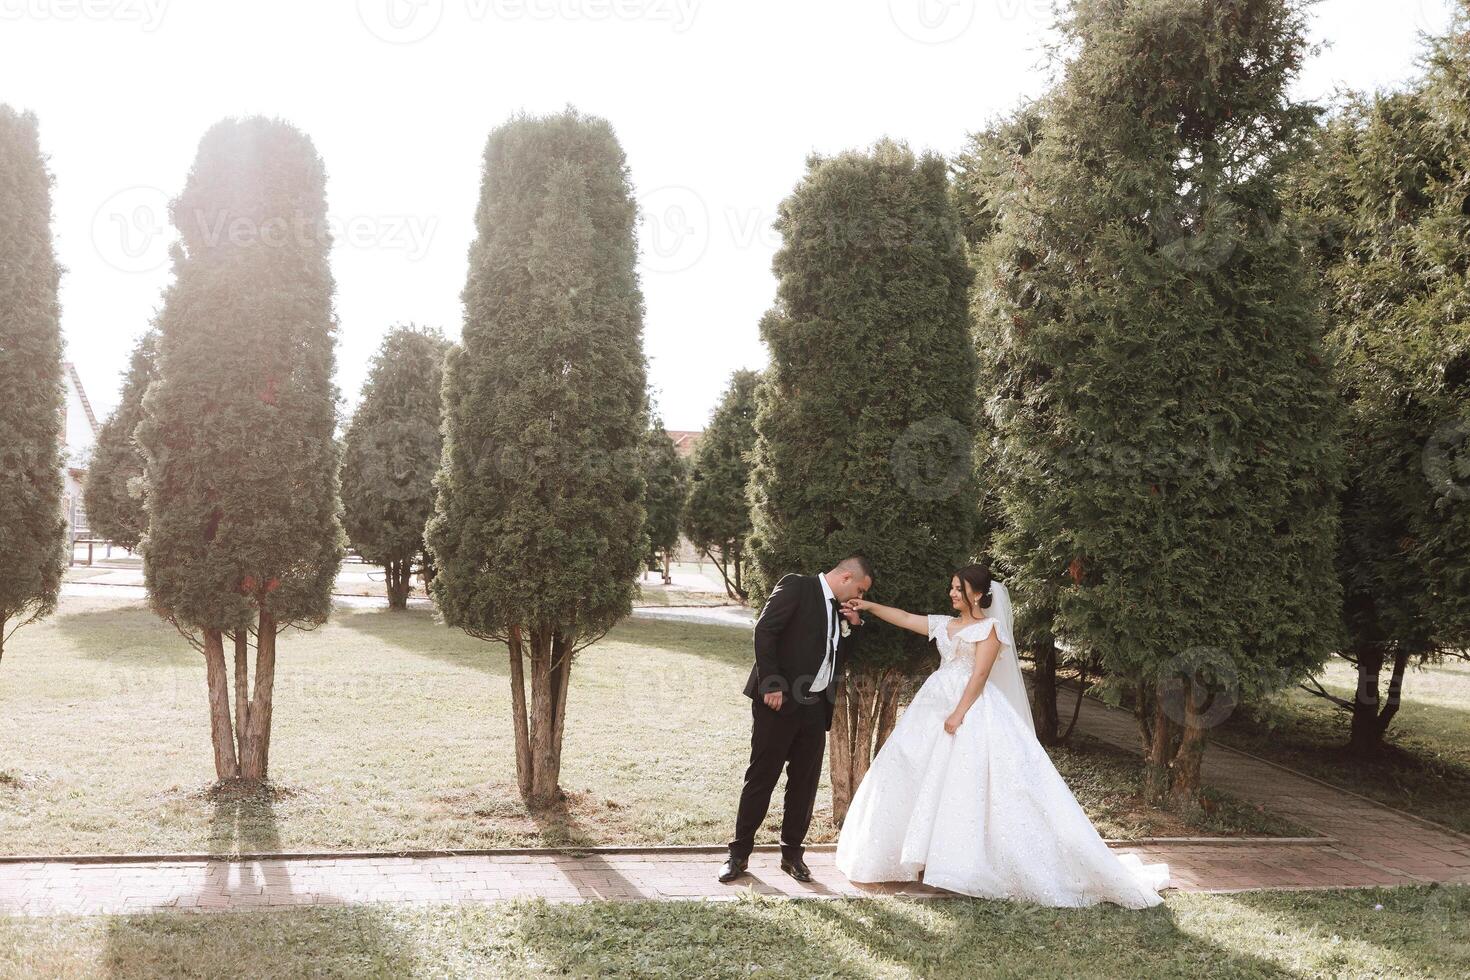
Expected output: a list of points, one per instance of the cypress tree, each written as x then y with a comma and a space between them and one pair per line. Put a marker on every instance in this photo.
537, 534
390, 455
990, 183
1170, 436
716, 516
114, 488
244, 530
865, 418
665, 481
1390, 191
32, 528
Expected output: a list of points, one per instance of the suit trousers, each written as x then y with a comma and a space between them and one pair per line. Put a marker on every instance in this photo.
795, 740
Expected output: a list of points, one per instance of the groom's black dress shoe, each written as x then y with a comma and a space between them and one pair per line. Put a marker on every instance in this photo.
796, 868
733, 868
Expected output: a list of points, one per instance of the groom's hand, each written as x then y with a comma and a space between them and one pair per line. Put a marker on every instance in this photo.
773, 700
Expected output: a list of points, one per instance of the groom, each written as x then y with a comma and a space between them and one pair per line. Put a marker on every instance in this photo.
800, 649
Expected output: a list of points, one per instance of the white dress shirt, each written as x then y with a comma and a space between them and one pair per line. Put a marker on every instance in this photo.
824, 675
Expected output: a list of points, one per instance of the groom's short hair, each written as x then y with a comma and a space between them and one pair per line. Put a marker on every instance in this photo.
858, 564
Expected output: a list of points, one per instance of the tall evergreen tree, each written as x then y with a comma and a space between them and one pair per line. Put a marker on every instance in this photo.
1390, 190
391, 454
537, 534
990, 182
865, 419
1170, 433
244, 531
32, 528
716, 516
665, 480
114, 488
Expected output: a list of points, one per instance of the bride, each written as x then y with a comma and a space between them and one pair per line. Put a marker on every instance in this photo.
963, 794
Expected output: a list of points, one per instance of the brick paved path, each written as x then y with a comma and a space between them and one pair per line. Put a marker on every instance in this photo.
1364, 844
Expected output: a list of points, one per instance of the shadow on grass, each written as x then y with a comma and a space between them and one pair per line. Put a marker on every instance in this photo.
360, 941
173, 944
1250, 936
416, 631
244, 819
126, 635
846, 938
721, 644
1425, 931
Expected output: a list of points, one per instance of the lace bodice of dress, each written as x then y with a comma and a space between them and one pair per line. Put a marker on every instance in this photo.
957, 651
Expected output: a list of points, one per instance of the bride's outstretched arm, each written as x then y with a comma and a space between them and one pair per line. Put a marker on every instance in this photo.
985, 653
904, 620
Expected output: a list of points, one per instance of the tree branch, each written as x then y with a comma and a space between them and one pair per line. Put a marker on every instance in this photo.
1321, 692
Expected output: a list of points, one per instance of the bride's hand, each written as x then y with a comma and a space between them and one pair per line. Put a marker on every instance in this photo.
953, 722
858, 605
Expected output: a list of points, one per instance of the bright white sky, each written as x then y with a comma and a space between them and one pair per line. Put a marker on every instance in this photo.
717, 103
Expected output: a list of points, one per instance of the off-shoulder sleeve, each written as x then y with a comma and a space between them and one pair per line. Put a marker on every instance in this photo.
978, 631
937, 625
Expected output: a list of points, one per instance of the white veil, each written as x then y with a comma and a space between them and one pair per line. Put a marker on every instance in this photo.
1005, 676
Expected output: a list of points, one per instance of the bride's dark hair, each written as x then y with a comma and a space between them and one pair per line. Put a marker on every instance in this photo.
975, 581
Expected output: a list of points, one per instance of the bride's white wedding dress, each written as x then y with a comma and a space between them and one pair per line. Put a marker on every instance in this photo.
982, 812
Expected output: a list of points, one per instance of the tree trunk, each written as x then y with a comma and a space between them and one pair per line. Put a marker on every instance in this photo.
733, 588
839, 749
398, 582
1173, 749
1370, 718
864, 714
1044, 693
242, 689
550, 672
1395, 693
1159, 740
226, 765
1066, 736
518, 713
1184, 787
561, 672
1366, 737
668, 561
256, 764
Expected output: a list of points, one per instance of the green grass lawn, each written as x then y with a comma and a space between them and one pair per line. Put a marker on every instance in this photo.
1416, 933
1426, 769
392, 731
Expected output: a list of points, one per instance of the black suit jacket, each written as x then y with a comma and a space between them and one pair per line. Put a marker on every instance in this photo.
791, 642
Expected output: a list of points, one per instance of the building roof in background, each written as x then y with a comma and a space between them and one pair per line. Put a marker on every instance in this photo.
79, 422
684, 440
